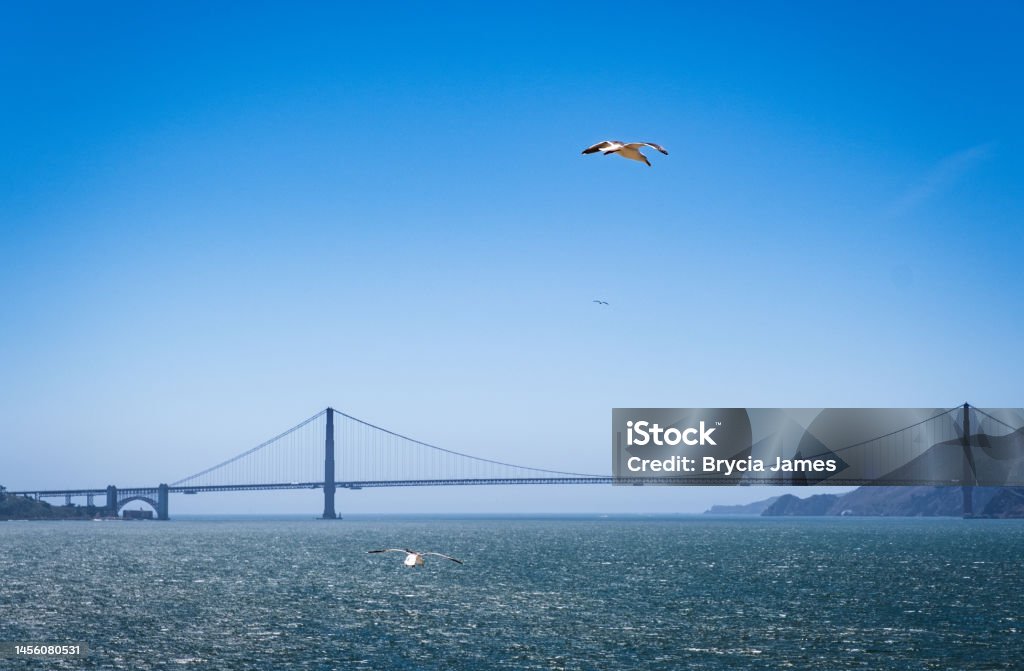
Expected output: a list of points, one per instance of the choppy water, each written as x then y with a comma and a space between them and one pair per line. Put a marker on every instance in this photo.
689, 593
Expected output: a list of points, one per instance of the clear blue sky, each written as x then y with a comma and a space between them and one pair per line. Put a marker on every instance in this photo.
217, 219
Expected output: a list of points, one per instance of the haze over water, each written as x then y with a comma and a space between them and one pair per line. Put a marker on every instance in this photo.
607, 593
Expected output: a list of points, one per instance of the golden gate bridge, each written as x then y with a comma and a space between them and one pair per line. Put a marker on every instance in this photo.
333, 450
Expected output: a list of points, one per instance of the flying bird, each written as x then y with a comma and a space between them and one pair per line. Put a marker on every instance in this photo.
413, 558
630, 150
599, 302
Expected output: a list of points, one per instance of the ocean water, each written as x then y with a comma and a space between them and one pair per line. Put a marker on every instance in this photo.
601, 593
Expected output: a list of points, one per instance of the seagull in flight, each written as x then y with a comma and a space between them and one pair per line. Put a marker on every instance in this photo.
599, 302
413, 558
630, 150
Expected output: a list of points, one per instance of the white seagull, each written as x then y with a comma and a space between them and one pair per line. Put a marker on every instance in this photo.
413, 558
630, 150
599, 302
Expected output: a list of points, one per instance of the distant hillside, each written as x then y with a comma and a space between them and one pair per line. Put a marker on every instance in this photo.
903, 502
819, 504
1008, 502
23, 508
755, 508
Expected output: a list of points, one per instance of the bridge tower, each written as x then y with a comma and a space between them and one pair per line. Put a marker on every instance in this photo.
162, 504
969, 476
329, 513
112, 500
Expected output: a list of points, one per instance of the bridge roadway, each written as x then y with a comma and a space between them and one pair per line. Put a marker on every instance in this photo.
117, 497
359, 484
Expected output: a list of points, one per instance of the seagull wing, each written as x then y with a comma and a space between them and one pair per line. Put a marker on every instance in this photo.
600, 146
371, 552
637, 145
438, 554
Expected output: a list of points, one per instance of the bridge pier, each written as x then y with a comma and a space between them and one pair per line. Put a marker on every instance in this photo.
162, 503
112, 500
969, 474
329, 488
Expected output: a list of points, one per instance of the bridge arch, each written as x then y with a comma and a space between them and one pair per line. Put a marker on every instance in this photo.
145, 499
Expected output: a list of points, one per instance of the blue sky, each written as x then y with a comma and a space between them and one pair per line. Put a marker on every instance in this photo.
216, 220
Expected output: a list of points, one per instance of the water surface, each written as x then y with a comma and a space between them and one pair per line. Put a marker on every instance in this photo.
601, 593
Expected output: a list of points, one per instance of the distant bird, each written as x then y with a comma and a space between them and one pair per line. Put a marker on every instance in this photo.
413, 558
599, 302
630, 150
